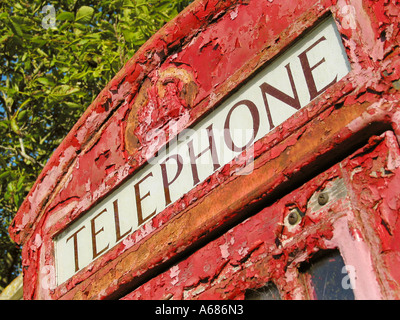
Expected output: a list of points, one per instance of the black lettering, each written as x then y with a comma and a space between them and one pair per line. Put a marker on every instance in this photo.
166, 183
139, 200
256, 125
278, 94
211, 147
307, 70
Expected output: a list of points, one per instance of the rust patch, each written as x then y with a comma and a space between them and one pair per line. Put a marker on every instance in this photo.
165, 96
131, 141
182, 81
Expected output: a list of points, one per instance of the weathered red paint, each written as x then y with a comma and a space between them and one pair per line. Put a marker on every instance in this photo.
265, 248
182, 73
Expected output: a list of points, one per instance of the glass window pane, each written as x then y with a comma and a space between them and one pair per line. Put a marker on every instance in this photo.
268, 292
328, 276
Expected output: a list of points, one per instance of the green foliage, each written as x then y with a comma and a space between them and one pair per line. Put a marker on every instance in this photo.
50, 75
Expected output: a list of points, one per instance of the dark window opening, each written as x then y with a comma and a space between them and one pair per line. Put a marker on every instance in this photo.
328, 276
268, 292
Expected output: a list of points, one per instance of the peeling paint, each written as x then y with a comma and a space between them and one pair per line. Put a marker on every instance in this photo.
231, 231
334, 225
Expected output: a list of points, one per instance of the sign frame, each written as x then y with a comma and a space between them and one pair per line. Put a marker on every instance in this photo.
308, 80
213, 206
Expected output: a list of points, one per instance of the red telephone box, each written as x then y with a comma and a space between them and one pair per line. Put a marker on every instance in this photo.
249, 150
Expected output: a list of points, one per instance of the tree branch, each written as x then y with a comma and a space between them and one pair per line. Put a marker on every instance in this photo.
4, 102
24, 155
8, 149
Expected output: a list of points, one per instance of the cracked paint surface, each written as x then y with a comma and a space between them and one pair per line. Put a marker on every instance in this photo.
266, 248
188, 68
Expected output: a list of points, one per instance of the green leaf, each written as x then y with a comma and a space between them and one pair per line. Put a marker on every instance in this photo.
14, 126
107, 26
45, 81
23, 116
65, 16
41, 52
129, 35
15, 27
73, 105
5, 175
64, 90
84, 14
4, 38
11, 186
16, 200
20, 182
3, 162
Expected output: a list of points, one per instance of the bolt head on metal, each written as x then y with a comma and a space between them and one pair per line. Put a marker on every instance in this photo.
323, 198
293, 218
